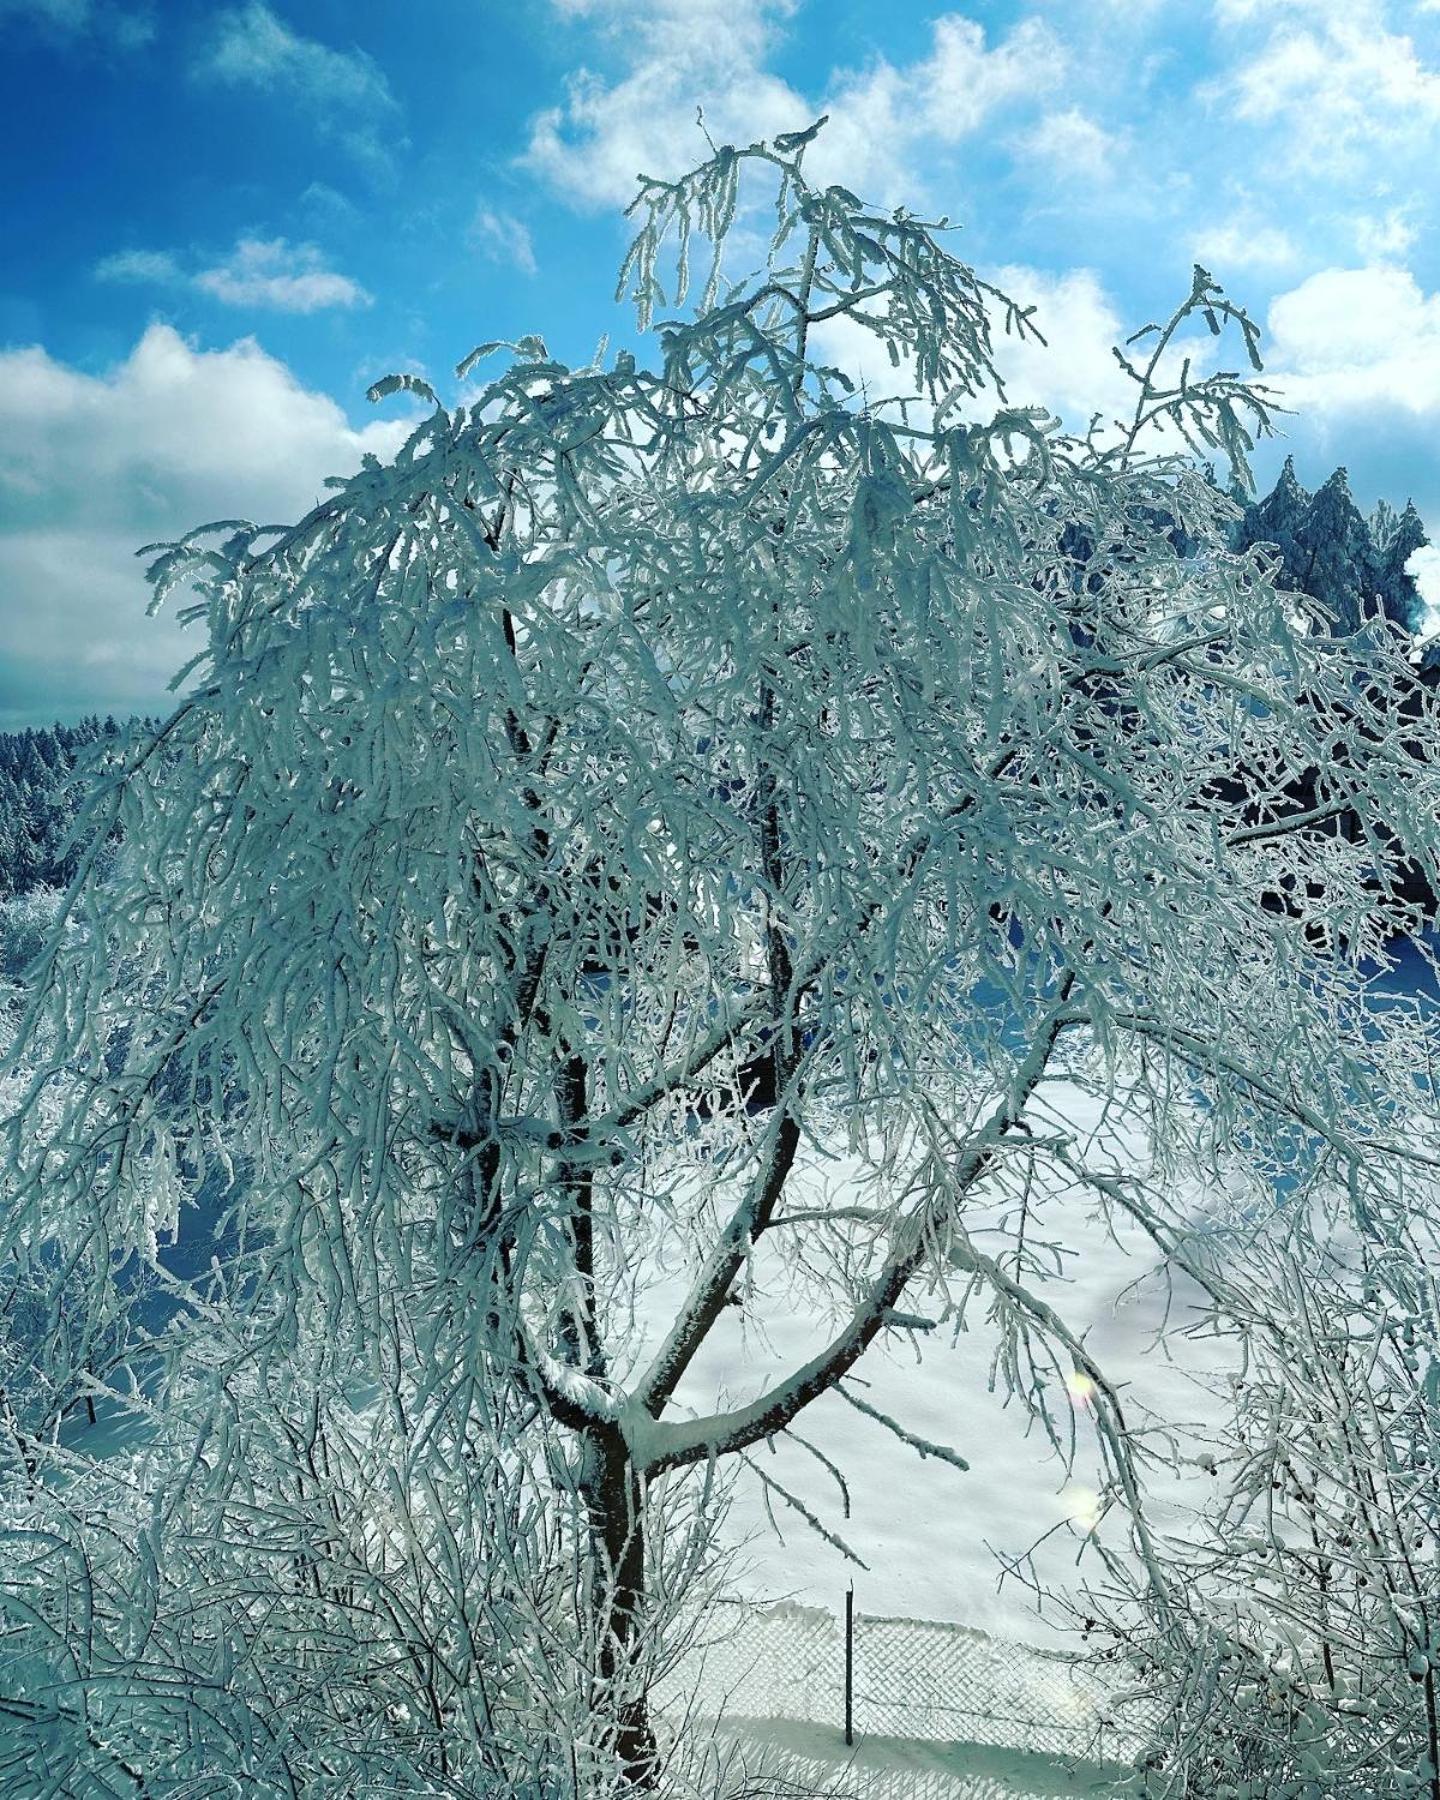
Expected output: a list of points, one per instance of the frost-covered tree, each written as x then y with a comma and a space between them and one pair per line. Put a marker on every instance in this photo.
657, 779
1397, 538
1353, 566
1278, 519
1299, 1650
38, 800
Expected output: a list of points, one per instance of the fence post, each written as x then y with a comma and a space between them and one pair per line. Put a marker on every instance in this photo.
850, 1664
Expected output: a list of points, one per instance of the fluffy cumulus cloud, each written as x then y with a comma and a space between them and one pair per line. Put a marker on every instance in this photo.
1356, 353
1332, 78
679, 54
269, 273
1357, 340
344, 91
1074, 373
92, 466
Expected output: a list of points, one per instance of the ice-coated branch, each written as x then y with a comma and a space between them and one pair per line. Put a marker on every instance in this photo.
658, 1444
922, 1446
817, 1525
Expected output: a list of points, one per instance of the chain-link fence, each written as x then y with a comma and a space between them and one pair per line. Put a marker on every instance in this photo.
910, 1678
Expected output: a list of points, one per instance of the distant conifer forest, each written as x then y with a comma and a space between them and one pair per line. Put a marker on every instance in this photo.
38, 801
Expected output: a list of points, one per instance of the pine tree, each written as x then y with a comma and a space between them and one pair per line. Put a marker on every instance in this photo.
1396, 587
1279, 520
1339, 566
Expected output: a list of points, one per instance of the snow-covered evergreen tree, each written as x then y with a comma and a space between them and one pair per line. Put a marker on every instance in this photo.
1396, 544
39, 796
1279, 520
1327, 549
1339, 568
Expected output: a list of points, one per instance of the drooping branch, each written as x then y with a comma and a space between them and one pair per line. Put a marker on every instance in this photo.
922, 1446
816, 1524
661, 1444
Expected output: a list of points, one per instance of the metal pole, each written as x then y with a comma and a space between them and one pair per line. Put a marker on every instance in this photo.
850, 1664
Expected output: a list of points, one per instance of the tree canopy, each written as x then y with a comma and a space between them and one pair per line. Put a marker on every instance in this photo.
575, 831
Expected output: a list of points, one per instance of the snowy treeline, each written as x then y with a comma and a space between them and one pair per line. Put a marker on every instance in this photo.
38, 801
1353, 566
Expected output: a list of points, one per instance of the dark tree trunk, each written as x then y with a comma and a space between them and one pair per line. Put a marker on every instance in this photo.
617, 1532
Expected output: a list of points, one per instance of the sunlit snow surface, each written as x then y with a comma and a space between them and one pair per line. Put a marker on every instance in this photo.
880, 1768
930, 1534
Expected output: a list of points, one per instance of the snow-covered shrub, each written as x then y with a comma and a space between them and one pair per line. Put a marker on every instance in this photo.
270, 1587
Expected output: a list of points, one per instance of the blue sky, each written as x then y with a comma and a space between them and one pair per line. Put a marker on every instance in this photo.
222, 221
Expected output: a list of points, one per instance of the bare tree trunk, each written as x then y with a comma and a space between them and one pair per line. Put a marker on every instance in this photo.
617, 1535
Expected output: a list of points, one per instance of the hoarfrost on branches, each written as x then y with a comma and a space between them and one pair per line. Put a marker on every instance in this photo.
651, 780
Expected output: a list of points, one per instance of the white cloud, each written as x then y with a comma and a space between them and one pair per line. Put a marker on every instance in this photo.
1244, 243
962, 82
1392, 235
149, 266
502, 238
93, 466
1347, 85
887, 119
884, 118
261, 272
348, 97
251, 47
1071, 146
284, 277
1240, 12
1074, 373
680, 56
1424, 567
1358, 342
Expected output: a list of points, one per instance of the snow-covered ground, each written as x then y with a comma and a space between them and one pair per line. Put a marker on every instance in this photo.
818, 1759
